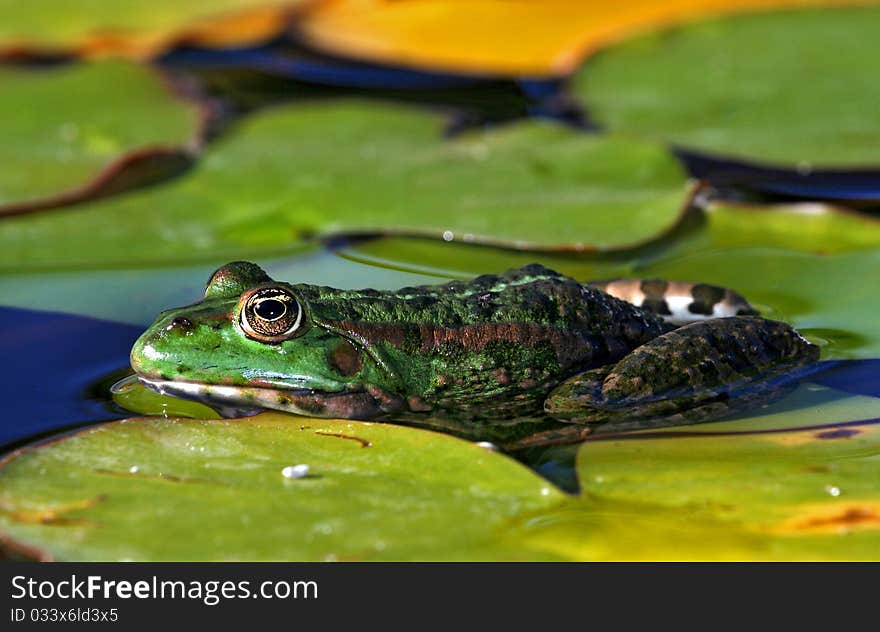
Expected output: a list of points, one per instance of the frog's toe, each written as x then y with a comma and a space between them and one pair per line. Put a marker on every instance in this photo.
704, 366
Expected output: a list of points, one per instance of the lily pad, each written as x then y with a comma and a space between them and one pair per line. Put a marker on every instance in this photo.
68, 130
808, 494
451, 35
325, 169
155, 489
786, 88
133, 28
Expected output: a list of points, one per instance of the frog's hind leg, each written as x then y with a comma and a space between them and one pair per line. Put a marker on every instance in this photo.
693, 373
678, 302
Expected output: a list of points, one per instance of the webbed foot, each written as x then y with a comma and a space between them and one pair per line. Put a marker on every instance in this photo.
700, 371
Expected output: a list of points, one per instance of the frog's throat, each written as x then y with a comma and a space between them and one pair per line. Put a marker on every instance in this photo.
306, 402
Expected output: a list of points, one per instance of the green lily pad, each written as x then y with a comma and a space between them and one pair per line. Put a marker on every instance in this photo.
155, 489
814, 229
780, 485
788, 88
808, 265
66, 128
808, 494
324, 169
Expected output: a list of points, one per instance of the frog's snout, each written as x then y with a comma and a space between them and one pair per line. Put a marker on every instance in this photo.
136, 355
154, 349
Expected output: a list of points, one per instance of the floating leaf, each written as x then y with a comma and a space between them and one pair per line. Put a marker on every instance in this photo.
133, 28
807, 494
452, 35
153, 489
747, 489
347, 168
809, 265
784, 88
71, 132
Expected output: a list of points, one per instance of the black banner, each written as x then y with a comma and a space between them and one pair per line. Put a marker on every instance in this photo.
227, 595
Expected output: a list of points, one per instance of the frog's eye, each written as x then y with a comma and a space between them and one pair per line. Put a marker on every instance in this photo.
270, 314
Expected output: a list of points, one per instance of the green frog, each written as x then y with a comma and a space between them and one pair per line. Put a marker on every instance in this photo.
526, 344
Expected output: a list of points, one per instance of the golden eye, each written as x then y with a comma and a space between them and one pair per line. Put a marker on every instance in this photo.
270, 314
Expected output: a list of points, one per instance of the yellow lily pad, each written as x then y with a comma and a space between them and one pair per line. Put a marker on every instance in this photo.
487, 35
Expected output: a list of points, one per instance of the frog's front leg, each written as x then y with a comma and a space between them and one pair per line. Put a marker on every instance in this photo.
692, 373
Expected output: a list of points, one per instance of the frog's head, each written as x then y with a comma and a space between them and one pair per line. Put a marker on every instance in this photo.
256, 343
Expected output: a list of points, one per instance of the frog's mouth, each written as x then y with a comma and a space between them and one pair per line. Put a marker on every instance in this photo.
235, 401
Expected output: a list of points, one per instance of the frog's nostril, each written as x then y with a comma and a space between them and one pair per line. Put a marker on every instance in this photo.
180, 323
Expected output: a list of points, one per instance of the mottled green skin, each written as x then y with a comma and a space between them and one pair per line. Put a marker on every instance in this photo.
485, 350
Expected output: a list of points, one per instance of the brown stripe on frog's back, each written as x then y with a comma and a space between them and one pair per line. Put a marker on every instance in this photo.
571, 346
677, 301
368, 334
567, 344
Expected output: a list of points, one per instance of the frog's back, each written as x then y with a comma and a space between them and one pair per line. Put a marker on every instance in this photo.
531, 294
497, 340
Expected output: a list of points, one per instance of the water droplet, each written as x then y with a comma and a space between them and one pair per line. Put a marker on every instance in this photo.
295, 471
134, 469
545, 491
488, 445
833, 490
448, 235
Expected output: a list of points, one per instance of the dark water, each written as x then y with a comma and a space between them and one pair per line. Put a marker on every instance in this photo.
53, 364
